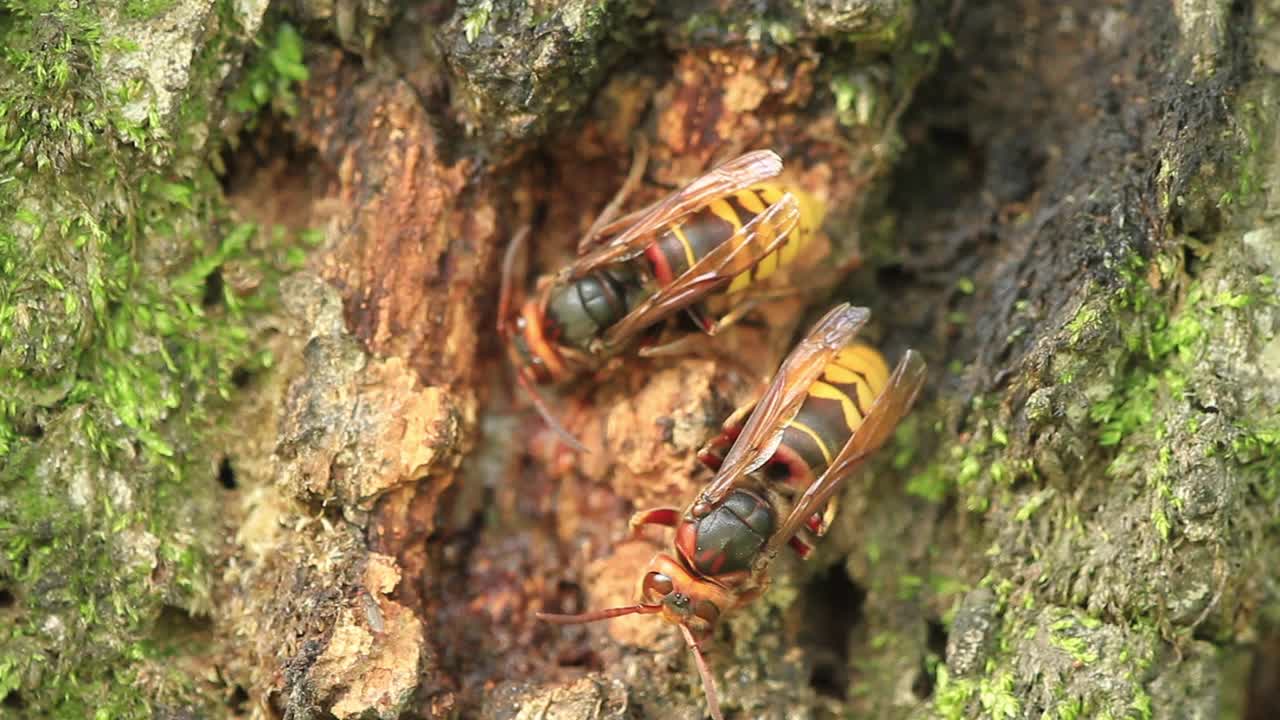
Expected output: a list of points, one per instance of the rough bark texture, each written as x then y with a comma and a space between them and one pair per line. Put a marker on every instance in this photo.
259, 450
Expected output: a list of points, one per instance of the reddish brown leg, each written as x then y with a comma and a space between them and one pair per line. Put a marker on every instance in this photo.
666, 517
506, 289
712, 454
605, 223
801, 547
820, 523
815, 524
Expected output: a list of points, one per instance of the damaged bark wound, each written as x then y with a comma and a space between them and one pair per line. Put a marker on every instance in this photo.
385, 404
411, 256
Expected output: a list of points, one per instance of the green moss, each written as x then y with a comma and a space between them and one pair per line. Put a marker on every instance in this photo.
1064, 635
1086, 318
1057, 659
476, 19
269, 81
146, 9
1032, 504
954, 697
1141, 705
713, 26
891, 33
997, 697
856, 99
117, 350
50, 104
1259, 448
1136, 414
973, 468
951, 696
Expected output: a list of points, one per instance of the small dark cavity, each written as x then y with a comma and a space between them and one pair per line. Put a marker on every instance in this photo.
29, 430
1012, 166
213, 289
894, 277
937, 640
239, 700
177, 626
833, 609
1262, 693
940, 158
1022, 481
1202, 407
579, 656
331, 511
14, 701
251, 151
7, 599
443, 268
241, 376
227, 474
954, 139
936, 643
567, 598
1190, 261
668, 426
828, 680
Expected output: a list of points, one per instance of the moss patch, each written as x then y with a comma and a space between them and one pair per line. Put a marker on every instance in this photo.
119, 344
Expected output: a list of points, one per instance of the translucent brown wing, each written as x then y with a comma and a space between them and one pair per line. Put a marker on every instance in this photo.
898, 396
595, 235
780, 403
737, 174
748, 245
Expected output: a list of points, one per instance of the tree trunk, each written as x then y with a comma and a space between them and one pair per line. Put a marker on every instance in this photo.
260, 449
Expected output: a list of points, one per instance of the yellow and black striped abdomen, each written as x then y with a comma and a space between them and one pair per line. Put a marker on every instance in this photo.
682, 244
835, 407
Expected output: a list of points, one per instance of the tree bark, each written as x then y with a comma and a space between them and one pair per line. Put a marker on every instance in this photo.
260, 449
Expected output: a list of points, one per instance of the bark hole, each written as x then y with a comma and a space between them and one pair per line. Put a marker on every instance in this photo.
276, 182
227, 474
31, 430
1262, 693
241, 377
13, 701
177, 625
239, 699
213, 288
266, 145
936, 644
833, 609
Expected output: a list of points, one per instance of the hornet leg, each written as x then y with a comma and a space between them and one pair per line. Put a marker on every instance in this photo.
666, 517
604, 224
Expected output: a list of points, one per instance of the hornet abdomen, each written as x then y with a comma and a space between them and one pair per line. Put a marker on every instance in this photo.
680, 245
836, 405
